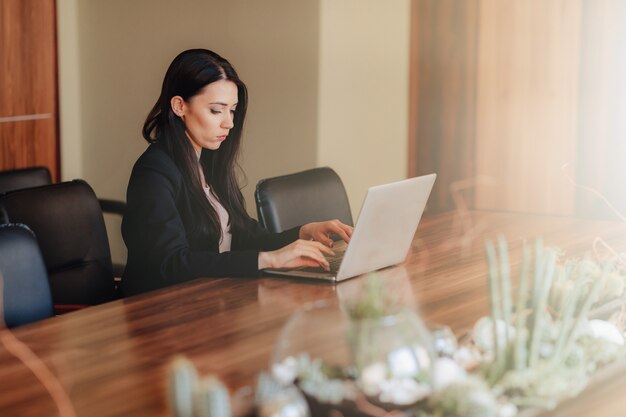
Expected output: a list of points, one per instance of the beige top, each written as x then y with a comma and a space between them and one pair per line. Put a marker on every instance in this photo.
227, 237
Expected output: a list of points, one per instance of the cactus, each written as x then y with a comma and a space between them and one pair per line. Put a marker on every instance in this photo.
183, 380
191, 397
542, 360
211, 398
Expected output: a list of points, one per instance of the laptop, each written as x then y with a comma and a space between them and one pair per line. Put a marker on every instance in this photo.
382, 235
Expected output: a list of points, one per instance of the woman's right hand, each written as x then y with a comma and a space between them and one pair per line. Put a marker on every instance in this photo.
297, 254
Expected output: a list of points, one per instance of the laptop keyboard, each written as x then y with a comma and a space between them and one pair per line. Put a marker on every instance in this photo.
335, 261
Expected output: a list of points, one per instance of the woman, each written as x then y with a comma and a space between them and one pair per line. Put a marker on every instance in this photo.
185, 216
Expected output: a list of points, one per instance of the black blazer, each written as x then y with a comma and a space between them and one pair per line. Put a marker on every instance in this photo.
157, 229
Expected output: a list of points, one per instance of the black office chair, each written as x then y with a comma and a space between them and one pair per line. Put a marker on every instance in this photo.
17, 179
25, 288
68, 222
114, 207
290, 200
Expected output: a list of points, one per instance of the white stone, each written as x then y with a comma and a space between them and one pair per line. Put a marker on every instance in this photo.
602, 329
372, 376
403, 391
507, 410
403, 362
483, 333
285, 372
467, 358
446, 372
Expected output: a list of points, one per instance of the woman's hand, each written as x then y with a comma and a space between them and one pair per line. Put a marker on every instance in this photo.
297, 254
321, 231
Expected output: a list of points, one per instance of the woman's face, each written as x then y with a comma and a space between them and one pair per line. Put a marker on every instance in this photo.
209, 115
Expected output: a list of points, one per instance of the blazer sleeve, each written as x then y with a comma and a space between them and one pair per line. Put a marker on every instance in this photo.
159, 253
259, 237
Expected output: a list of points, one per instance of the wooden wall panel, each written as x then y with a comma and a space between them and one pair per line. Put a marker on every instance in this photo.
527, 104
21, 143
28, 86
442, 104
495, 101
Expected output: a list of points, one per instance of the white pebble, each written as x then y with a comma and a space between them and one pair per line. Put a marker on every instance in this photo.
446, 372
601, 329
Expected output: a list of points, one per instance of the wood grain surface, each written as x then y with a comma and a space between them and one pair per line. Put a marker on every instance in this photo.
112, 359
28, 85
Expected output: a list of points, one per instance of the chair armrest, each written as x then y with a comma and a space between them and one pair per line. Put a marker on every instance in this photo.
112, 206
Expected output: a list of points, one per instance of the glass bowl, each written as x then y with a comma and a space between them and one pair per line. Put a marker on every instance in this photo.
347, 364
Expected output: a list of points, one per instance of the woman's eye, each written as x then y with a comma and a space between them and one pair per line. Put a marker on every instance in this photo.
215, 111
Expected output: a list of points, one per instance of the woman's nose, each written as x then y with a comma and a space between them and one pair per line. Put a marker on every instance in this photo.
227, 122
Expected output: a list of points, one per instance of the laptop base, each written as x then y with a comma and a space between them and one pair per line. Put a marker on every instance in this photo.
307, 273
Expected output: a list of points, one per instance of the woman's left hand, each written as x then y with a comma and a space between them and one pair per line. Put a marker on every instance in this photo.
321, 231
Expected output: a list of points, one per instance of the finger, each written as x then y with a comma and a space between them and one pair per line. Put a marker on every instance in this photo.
341, 229
315, 256
320, 250
348, 230
322, 233
323, 248
325, 239
343, 233
311, 245
304, 261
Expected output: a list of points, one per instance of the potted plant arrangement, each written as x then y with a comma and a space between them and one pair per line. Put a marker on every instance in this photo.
540, 344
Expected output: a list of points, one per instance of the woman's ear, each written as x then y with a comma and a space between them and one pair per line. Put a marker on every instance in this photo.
178, 106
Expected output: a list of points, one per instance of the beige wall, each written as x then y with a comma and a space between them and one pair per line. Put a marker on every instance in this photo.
321, 73
124, 50
69, 89
364, 84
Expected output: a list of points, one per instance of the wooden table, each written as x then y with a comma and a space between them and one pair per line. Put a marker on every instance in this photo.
112, 358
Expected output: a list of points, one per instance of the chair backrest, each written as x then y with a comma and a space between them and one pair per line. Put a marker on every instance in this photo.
17, 179
68, 222
25, 288
291, 200
37, 176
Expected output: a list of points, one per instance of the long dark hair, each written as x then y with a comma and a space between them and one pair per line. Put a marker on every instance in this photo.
186, 76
